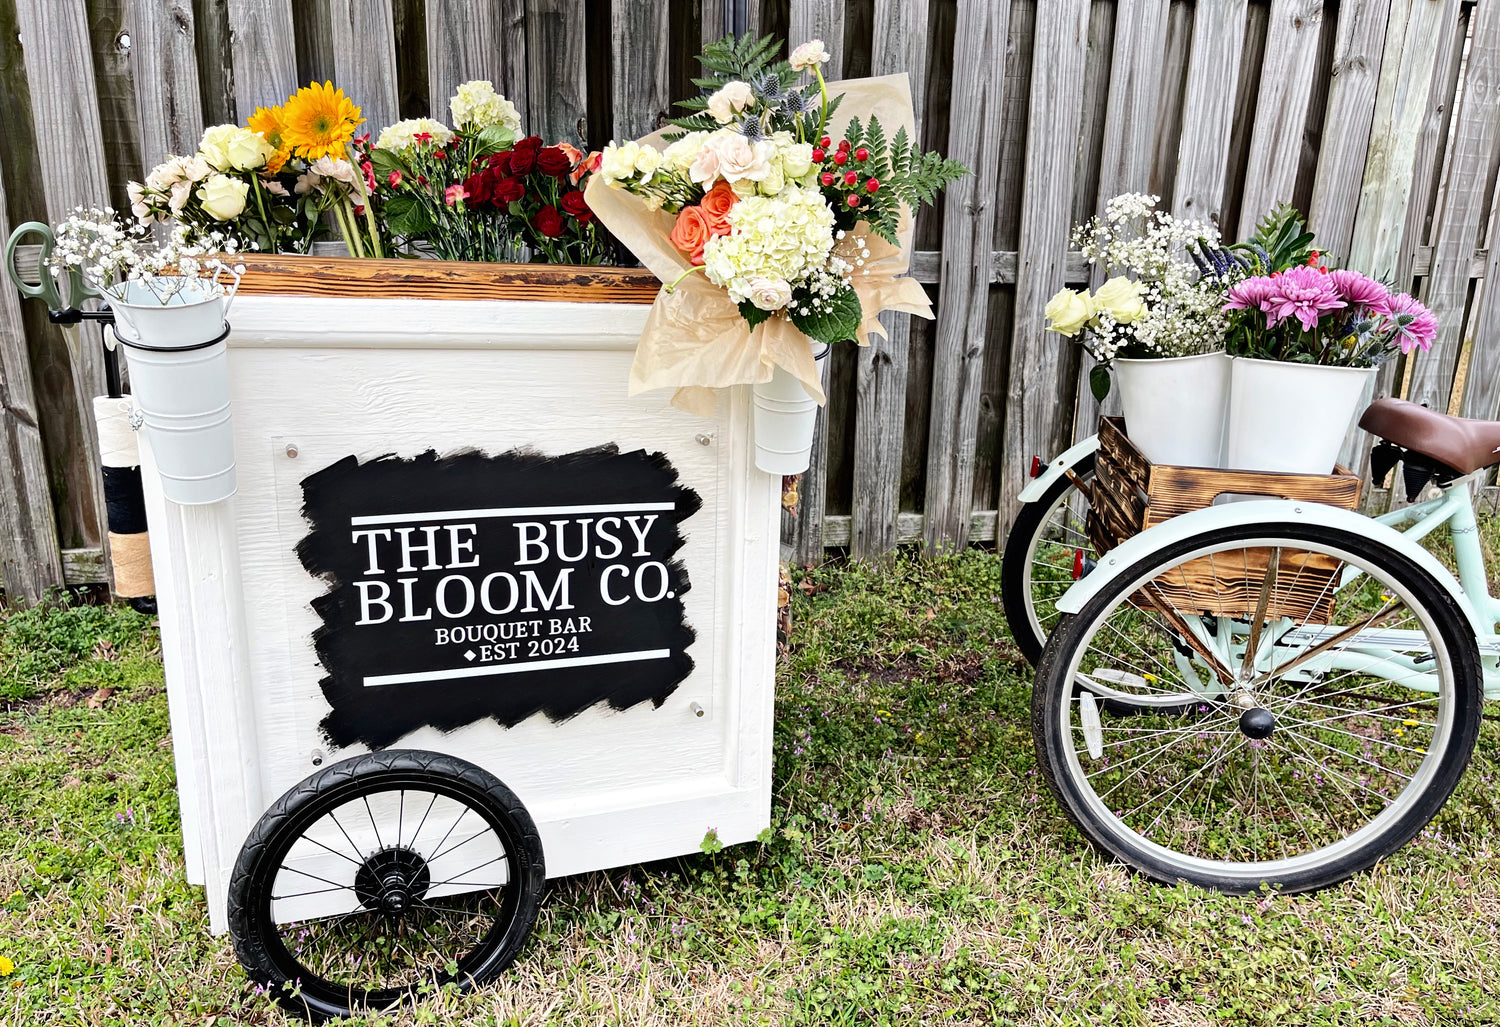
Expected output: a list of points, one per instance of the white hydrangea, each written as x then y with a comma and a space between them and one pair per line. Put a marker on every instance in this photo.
403, 133
477, 105
784, 238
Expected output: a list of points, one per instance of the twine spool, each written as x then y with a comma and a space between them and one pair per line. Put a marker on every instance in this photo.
131, 556
117, 446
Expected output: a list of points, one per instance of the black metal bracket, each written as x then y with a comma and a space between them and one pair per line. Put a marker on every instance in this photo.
113, 384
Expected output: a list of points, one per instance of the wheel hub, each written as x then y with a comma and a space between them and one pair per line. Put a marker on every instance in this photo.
1258, 723
392, 881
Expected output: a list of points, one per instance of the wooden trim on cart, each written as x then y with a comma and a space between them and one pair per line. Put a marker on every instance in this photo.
291, 275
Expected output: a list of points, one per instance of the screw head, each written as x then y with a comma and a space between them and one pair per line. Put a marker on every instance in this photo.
291, 450
704, 440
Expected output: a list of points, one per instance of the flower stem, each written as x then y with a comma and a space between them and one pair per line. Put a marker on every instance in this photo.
679, 278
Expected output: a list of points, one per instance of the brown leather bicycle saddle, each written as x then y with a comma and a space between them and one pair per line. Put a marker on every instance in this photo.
1461, 443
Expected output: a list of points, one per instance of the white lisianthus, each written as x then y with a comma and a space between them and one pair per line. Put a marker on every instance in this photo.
769, 293
403, 133
679, 157
627, 161
809, 55
232, 148
223, 197
477, 105
732, 99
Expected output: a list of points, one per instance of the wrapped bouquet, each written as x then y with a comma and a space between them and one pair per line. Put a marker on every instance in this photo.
777, 217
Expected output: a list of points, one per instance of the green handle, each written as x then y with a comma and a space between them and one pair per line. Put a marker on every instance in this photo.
46, 289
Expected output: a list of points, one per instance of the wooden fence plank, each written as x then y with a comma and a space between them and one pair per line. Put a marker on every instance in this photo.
265, 60
1348, 121
1040, 389
30, 560
557, 51
1208, 107
114, 81
639, 32
1281, 110
1409, 68
70, 153
364, 58
167, 101
899, 43
476, 39
1481, 392
817, 19
1435, 141
1462, 218
1136, 69
978, 100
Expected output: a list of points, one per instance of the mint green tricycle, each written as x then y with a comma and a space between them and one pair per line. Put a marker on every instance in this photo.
1265, 693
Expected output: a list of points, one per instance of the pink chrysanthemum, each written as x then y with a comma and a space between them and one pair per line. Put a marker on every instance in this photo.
1301, 292
1415, 325
1250, 294
1359, 290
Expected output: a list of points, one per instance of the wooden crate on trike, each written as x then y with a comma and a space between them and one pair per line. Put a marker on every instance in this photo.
1255, 692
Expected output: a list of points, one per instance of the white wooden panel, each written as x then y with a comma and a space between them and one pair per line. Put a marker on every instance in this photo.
606, 787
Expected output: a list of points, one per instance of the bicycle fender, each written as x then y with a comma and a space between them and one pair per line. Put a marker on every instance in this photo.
1059, 466
1114, 563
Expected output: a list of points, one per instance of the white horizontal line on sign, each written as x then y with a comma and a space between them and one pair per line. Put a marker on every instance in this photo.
508, 511
516, 668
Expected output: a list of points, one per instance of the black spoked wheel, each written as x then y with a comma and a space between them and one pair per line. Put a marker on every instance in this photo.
1337, 692
381, 878
1046, 550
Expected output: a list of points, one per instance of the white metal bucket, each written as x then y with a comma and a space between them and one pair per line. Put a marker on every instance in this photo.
183, 396
1175, 407
785, 416
1290, 417
192, 314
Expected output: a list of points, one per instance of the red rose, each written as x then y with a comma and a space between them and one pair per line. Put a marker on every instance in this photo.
573, 203
532, 143
478, 187
522, 161
507, 190
549, 222
553, 161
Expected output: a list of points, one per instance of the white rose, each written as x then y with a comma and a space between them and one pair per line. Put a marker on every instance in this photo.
773, 182
810, 54
307, 182
646, 162
796, 160
739, 158
232, 148
165, 175
196, 169
223, 197
679, 157
769, 293
730, 100
617, 163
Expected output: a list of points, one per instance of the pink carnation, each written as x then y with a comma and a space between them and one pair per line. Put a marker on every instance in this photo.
1301, 292
1415, 325
1361, 291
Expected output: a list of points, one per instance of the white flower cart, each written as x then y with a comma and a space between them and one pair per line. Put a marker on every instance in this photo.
474, 616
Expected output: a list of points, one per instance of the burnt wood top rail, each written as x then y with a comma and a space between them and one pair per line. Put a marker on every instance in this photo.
284, 275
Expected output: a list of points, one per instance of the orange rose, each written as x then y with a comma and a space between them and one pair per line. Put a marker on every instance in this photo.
691, 232
716, 205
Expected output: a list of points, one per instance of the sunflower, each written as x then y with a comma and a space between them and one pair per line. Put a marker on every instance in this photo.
270, 122
318, 121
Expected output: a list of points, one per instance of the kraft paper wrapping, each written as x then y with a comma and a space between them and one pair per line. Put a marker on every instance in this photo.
695, 340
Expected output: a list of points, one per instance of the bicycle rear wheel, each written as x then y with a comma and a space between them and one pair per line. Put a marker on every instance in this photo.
1047, 544
1338, 693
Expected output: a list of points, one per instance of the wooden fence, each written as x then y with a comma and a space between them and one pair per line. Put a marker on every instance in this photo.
1378, 117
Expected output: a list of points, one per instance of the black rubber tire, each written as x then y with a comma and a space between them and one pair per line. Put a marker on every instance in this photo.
1457, 637
256, 941
1013, 593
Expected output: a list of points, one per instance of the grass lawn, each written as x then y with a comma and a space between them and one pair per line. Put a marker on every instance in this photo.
918, 871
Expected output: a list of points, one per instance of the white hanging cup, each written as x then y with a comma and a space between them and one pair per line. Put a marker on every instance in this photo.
179, 376
785, 416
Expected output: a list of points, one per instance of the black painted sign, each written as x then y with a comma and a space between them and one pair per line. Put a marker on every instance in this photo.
468, 586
